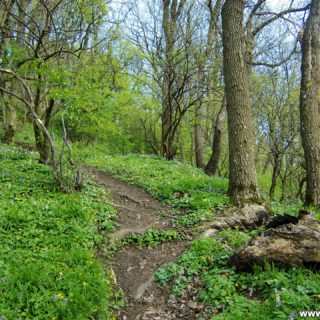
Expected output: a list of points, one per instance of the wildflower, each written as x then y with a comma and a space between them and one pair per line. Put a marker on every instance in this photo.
278, 300
64, 301
58, 296
293, 316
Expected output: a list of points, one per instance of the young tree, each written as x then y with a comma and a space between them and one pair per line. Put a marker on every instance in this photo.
310, 103
47, 34
214, 9
243, 184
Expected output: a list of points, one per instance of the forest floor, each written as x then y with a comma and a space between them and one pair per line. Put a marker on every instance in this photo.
134, 266
64, 258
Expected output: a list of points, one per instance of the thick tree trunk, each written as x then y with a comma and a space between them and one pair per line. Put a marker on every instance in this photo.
8, 110
243, 184
310, 103
212, 165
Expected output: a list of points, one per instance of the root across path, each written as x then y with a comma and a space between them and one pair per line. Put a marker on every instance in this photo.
135, 266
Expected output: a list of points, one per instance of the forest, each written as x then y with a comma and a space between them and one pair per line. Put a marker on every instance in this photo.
159, 159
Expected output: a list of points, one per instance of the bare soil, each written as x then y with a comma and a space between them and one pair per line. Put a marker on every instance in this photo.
134, 266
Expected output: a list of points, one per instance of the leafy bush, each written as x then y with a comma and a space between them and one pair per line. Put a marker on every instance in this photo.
153, 237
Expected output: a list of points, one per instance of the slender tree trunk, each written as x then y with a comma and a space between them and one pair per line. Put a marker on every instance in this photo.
171, 115
199, 108
192, 151
310, 103
212, 165
9, 120
41, 140
167, 105
199, 137
243, 184
275, 173
181, 146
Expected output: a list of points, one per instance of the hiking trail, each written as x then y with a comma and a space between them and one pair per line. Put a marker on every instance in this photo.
135, 266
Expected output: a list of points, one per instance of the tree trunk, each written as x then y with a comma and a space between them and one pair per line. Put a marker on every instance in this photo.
42, 145
199, 136
41, 140
171, 113
181, 147
192, 160
212, 165
9, 118
275, 173
243, 184
167, 104
199, 109
310, 103
9, 111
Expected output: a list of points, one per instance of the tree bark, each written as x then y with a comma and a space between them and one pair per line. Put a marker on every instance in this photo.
275, 172
8, 109
243, 184
9, 116
212, 165
199, 136
310, 103
168, 25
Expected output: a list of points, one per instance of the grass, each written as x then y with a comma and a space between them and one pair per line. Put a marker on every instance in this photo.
48, 268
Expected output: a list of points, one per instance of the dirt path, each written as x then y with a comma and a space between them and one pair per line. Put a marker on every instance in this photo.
133, 266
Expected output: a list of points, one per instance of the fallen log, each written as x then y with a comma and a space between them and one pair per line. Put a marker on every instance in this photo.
291, 242
247, 218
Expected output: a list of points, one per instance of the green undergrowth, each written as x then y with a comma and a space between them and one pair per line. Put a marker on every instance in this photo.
178, 185
48, 268
267, 293
292, 208
153, 238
